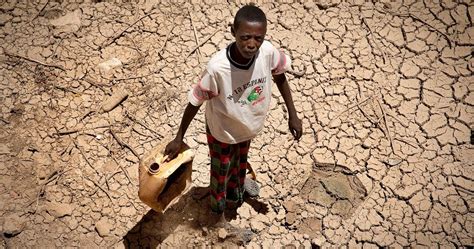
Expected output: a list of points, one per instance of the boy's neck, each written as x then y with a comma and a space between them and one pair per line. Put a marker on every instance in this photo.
236, 56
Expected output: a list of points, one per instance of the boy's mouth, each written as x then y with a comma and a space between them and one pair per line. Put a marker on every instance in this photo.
249, 54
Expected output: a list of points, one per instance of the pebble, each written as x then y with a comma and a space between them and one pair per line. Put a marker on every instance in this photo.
222, 233
103, 228
13, 225
59, 210
274, 230
205, 231
4, 148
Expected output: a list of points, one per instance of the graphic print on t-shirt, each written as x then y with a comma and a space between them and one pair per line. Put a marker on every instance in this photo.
255, 95
255, 89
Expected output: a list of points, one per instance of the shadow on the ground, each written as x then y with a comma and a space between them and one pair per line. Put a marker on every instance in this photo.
191, 211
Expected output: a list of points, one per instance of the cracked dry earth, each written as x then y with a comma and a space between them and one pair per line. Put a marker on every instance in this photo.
385, 90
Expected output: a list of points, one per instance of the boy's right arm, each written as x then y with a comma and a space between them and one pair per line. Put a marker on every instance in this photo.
173, 147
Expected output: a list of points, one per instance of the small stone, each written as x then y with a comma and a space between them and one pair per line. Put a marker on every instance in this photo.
257, 226
289, 205
394, 161
274, 230
290, 218
13, 225
279, 217
222, 233
304, 214
205, 231
110, 64
317, 242
103, 228
73, 223
59, 210
4, 149
71, 22
244, 212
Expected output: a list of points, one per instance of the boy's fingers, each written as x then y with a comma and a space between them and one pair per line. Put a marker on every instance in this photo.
293, 132
170, 153
171, 156
296, 133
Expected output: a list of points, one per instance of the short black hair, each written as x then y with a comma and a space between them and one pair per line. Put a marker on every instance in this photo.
249, 13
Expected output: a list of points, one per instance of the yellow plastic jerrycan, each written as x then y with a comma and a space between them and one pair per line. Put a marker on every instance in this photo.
161, 184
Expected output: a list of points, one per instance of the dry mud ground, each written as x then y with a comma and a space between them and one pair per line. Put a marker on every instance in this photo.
386, 99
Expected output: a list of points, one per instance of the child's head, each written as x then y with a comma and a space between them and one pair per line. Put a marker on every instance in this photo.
249, 29
249, 13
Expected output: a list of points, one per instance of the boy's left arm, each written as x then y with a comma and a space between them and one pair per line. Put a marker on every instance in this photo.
294, 122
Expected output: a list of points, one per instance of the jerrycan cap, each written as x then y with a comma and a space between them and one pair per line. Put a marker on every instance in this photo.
154, 168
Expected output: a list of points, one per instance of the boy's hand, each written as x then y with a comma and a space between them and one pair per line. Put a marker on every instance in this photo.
172, 149
296, 127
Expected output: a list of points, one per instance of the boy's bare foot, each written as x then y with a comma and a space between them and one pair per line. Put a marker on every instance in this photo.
251, 187
227, 231
217, 219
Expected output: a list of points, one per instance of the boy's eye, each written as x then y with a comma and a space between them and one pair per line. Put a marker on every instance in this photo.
247, 37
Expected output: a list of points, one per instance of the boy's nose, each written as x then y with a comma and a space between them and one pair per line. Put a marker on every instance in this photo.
251, 45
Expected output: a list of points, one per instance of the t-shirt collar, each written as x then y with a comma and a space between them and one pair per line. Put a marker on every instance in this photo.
236, 64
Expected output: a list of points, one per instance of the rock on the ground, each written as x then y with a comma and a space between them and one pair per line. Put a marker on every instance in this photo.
222, 233
68, 23
59, 210
103, 228
109, 64
257, 226
13, 225
4, 149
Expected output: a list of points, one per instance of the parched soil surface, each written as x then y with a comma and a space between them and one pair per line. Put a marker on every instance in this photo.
385, 90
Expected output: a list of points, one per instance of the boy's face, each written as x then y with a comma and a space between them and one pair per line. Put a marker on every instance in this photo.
249, 37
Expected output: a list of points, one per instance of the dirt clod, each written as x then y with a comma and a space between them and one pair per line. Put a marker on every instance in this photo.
13, 225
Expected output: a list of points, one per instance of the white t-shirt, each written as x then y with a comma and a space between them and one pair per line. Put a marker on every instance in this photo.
238, 96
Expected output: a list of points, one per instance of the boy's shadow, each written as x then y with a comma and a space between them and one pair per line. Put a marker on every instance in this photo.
192, 211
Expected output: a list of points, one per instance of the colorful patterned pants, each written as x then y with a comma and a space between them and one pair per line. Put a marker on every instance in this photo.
228, 169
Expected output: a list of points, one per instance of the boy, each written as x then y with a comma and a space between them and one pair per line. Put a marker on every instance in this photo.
237, 89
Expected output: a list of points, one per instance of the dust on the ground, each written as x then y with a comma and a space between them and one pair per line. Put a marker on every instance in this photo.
385, 90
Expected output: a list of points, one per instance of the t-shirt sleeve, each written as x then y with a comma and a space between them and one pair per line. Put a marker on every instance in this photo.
206, 89
280, 62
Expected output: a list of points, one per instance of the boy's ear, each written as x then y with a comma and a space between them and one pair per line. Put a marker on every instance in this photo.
232, 31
